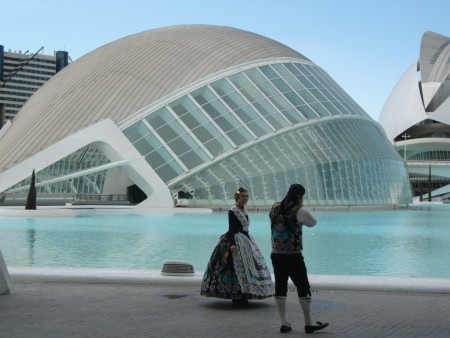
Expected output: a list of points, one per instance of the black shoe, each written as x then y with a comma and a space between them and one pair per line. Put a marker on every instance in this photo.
240, 302
312, 328
285, 328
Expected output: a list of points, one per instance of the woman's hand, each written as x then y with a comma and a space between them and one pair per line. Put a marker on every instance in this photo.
233, 249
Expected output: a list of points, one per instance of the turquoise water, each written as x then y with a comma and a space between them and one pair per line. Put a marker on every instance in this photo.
403, 243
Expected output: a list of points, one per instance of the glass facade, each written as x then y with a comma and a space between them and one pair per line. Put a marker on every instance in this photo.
265, 128
361, 172
262, 128
85, 158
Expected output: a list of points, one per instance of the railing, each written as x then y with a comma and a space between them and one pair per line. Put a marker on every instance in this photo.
102, 198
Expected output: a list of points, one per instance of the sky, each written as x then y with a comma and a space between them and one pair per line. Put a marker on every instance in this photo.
364, 45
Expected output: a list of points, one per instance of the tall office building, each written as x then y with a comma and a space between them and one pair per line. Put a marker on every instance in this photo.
21, 74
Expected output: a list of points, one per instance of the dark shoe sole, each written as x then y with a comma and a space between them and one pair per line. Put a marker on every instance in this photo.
285, 328
312, 328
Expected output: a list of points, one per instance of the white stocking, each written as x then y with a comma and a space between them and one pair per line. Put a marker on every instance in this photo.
281, 306
305, 304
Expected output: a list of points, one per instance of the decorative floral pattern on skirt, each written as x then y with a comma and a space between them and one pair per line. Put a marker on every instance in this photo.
248, 281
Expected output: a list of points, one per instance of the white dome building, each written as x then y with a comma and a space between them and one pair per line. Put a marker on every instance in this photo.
194, 112
416, 117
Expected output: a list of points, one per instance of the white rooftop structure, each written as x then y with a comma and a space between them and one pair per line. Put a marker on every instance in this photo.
416, 117
189, 113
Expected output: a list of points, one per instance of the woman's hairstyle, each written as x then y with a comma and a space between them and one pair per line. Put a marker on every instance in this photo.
238, 193
295, 192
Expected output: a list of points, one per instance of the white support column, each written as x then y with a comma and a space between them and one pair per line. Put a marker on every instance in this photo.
6, 285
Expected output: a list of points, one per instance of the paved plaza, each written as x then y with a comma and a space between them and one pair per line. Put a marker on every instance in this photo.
124, 309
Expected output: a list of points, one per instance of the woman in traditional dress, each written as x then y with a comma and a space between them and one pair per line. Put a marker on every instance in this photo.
237, 269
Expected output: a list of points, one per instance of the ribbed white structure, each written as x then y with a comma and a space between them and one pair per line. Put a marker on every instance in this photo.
124, 76
204, 109
416, 115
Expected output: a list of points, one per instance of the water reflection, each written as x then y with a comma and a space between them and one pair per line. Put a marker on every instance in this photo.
391, 243
31, 239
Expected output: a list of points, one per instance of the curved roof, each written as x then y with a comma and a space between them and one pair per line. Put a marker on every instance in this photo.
434, 55
124, 76
413, 101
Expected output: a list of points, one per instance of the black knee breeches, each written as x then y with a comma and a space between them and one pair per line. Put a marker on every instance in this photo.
293, 266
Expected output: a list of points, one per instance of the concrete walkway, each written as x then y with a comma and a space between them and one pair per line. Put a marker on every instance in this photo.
153, 306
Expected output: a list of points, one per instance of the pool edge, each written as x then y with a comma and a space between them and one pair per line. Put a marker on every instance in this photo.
154, 277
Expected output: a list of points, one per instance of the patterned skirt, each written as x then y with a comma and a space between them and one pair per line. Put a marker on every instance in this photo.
241, 276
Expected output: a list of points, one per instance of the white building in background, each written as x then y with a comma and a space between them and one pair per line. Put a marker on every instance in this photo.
416, 117
194, 112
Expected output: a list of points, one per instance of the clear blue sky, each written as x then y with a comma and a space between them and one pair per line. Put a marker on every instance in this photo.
366, 46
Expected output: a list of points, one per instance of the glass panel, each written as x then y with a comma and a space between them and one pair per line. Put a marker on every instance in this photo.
171, 131
302, 69
331, 108
280, 69
222, 87
252, 94
294, 98
269, 72
294, 83
307, 112
182, 105
316, 83
144, 145
255, 76
206, 132
227, 122
254, 122
159, 118
158, 157
246, 113
239, 80
306, 96
304, 80
318, 95
194, 119
203, 95
220, 114
234, 100
280, 102
268, 89
182, 144
194, 158
271, 114
293, 116
169, 171
328, 95
281, 85
218, 145
239, 135
136, 131
320, 109
341, 108
294, 70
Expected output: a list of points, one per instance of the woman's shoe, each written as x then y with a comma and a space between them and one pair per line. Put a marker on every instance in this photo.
285, 328
240, 302
312, 328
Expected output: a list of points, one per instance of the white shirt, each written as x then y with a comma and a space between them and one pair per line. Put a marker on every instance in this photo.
304, 216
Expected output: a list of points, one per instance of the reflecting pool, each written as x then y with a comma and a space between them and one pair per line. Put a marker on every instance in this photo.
413, 242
